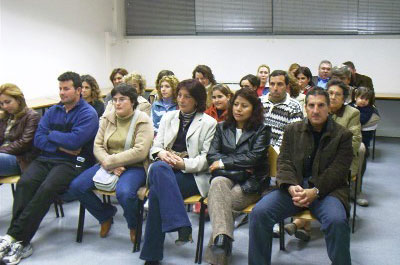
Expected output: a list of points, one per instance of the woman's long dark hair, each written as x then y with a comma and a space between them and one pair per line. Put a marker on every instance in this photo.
257, 117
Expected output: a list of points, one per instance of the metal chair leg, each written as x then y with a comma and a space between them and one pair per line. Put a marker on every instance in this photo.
139, 226
200, 236
373, 145
56, 209
81, 222
281, 235
354, 207
61, 209
13, 190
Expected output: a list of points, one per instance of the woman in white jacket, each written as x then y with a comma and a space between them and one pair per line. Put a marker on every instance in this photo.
180, 170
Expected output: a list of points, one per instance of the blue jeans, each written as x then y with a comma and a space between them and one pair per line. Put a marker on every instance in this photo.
278, 205
167, 211
8, 165
127, 186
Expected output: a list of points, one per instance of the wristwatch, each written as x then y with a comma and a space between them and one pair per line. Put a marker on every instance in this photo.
317, 190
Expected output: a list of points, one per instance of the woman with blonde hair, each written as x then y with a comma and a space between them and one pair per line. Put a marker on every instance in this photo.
166, 99
18, 125
153, 95
139, 83
263, 72
91, 94
292, 69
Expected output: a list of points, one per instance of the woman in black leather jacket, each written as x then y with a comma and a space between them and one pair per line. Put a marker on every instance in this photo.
239, 167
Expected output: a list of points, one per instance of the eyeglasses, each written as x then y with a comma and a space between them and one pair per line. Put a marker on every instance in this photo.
120, 100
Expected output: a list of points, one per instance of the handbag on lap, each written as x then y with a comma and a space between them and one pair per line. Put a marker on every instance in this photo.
107, 181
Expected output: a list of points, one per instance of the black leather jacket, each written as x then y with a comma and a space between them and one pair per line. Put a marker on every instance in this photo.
249, 154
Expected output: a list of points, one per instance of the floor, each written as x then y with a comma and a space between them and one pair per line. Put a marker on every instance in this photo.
376, 240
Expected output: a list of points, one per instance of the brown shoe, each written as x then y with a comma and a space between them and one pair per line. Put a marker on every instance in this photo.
133, 235
105, 227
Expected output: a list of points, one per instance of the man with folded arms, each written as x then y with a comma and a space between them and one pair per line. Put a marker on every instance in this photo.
313, 166
65, 137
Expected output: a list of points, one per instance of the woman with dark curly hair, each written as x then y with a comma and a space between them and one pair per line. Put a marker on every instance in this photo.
304, 79
250, 81
91, 94
205, 76
180, 169
239, 168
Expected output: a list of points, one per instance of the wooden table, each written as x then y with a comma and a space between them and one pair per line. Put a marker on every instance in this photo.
387, 96
41, 103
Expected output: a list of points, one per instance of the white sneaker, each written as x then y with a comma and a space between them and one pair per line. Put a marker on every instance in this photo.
5, 245
275, 231
17, 252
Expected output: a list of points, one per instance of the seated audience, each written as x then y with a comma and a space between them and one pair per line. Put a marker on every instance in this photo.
92, 94
294, 92
205, 76
324, 74
167, 100
121, 147
65, 137
18, 124
250, 81
349, 118
221, 95
153, 95
279, 108
292, 69
358, 80
239, 167
116, 77
304, 79
369, 116
309, 178
263, 74
180, 170
138, 82
343, 74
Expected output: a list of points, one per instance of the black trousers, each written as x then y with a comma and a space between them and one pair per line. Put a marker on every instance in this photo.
37, 189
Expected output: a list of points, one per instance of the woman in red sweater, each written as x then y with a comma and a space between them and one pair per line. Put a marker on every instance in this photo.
221, 94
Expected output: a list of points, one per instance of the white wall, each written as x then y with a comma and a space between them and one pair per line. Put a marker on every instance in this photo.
41, 39
232, 57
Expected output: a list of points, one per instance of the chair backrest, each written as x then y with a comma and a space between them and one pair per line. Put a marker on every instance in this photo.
273, 161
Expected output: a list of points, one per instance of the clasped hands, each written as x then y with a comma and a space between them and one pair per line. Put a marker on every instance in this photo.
116, 171
302, 197
171, 159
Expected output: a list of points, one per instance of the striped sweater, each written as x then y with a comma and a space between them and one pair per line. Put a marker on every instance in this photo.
278, 115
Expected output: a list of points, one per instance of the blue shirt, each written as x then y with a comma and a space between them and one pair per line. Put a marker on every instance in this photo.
72, 130
322, 82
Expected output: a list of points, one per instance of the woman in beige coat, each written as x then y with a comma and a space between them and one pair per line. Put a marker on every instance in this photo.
116, 155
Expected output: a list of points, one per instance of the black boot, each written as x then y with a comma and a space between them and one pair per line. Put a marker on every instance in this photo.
152, 262
222, 245
184, 236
